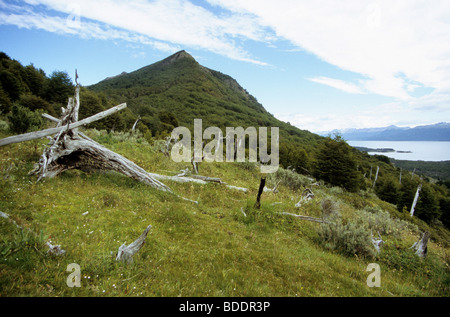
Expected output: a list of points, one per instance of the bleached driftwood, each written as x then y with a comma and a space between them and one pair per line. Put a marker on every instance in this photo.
306, 196
416, 198
377, 243
186, 172
6, 216
55, 249
70, 149
376, 177
46, 132
126, 252
421, 246
304, 217
135, 124
275, 189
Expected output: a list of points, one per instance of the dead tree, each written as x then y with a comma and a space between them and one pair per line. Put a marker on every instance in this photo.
304, 217
126, 252
135, 124
416, 197
376, 177
421, 246
71, 149
260, 191
306, 196
377, 243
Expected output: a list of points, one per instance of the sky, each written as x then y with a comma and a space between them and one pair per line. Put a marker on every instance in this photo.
320, 65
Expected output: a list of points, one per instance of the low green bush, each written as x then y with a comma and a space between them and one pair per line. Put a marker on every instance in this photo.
349, 238
288, 178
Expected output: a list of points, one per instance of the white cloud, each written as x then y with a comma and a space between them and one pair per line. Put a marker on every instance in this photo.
378, 39
397, 47
338, 84
161, 23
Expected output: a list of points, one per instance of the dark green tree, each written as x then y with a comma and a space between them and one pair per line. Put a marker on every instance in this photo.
406, 193
35, 79
444, 205
33, 103
58, 88
337, 165
5, 102
427, 207
387, 189
24, 120
11, 85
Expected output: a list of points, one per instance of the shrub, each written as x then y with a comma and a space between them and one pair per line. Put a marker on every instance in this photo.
289, 178
381, 221
329, 208
4, 126
350, 238
105, 137
248, 166
23, 119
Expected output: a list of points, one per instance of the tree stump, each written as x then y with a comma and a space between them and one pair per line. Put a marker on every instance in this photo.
421, 245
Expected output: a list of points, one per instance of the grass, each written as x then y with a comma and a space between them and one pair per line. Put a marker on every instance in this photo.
209, 249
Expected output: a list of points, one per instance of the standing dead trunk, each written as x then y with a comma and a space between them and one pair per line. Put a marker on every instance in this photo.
416, 197
135, 124
126, 252
260, 191
376, 177
421, 246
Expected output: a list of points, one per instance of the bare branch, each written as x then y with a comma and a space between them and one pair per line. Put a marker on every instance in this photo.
43, 133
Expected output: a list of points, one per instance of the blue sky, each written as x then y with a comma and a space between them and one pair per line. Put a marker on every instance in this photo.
320, 65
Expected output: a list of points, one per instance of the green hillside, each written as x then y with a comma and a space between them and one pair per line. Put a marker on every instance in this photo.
224, 245
178, 90
180, 85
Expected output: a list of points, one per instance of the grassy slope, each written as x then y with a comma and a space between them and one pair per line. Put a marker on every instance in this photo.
209, 249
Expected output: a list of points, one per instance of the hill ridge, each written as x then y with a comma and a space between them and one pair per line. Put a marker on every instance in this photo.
431, 132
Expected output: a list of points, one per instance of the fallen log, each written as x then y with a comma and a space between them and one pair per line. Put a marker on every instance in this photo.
304, 217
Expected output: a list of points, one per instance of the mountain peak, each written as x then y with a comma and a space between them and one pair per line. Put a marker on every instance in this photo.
177, 56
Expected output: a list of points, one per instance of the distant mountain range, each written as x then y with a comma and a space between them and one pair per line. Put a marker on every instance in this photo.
434, 132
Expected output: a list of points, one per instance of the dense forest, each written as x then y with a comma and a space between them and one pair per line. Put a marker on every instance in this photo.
176, 90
